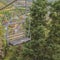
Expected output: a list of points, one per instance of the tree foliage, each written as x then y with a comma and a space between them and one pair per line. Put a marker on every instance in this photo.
45, 43
36, 49
54, 35
45, 33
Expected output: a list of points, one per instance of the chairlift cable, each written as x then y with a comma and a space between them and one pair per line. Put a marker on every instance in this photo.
8, 5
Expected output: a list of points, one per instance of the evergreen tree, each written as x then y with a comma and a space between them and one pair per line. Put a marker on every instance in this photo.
54, 35
45, 32
36, 49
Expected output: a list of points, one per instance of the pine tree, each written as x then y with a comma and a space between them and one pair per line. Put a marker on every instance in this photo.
36, 49
54, 35
45, 43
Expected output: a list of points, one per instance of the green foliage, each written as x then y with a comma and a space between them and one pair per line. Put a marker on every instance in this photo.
55, 28
44, 46
45, 34
35, 50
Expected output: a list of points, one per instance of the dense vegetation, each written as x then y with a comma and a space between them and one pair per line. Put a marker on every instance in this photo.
45, 34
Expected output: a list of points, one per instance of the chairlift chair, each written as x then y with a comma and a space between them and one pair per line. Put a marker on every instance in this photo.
16, 32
